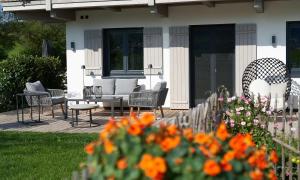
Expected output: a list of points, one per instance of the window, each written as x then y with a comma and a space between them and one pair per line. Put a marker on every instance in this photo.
123, 51
293, 47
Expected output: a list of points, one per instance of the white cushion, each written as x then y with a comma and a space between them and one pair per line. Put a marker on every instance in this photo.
259, 87
107, 85
160, 85
125, 86
35, 86
277, 92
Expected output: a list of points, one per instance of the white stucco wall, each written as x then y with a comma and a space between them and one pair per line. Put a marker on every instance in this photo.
271, 22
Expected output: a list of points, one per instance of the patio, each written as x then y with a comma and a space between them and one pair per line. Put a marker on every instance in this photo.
8, 121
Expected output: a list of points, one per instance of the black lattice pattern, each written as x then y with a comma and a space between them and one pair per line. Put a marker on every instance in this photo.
271, 70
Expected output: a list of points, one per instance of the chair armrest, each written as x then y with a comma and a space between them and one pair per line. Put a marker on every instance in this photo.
43, 99
56, 92
147, 98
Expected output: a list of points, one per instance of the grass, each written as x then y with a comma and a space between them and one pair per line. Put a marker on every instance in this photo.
28, 155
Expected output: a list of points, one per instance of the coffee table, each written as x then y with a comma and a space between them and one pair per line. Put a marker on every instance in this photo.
110, 100
82, 107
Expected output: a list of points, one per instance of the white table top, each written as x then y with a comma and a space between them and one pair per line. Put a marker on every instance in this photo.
83, 106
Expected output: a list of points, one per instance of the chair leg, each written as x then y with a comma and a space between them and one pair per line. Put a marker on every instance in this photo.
154, 111
139, 110
52, 109
131, 110
31, 112
162, 112
42, 109
62, 109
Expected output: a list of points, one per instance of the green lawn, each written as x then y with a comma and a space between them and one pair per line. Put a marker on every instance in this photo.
28, 155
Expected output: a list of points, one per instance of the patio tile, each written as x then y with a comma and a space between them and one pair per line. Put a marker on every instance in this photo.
8, 121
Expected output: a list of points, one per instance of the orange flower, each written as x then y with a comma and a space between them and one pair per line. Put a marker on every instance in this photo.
228, 156
108, 147
160, 164
124, 122
192, 150
211, 168
111, 125
172, 129
134, 129
109, 128
240, 143
150, 138
201, 138
178, 161
256, 175
274, 157
258, 159
122, 164
90, 148
226, 166
111, 178
153, 167
147, 119
188, 134
272, 175
222, 132
170, 143
252, 160
214, 147
133, 118
204, 151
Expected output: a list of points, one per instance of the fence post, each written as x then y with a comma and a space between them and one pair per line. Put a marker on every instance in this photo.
282, 148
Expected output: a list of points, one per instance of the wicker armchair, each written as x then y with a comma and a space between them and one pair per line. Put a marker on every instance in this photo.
268, 77
51, 98
272, 70
153, 99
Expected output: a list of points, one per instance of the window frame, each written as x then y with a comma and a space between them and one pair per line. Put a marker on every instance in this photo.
108, 72
295, 71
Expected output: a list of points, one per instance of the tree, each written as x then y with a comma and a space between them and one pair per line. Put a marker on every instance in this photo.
26, 37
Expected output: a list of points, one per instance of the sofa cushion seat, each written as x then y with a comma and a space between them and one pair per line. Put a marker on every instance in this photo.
58, 99
107, 86
125, 86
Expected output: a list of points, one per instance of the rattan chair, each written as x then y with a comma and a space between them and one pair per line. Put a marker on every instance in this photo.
53, 97
271, 70
153, 99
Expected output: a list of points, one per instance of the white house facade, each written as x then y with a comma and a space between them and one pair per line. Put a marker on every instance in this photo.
195, 47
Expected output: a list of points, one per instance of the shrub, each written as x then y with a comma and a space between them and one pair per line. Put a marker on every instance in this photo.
244, 115
134, 149
16, 71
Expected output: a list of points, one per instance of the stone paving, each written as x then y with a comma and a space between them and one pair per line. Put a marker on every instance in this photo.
8, 121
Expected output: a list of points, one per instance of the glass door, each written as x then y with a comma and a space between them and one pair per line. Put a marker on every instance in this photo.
212, 55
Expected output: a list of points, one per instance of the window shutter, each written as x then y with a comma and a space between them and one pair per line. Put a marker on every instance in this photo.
179, 67
93, 52
245, 51
153, 50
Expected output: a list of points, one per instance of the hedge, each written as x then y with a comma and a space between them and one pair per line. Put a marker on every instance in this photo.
16, 71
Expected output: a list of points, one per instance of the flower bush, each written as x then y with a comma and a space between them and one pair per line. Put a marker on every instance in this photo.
132, 148
244, 115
